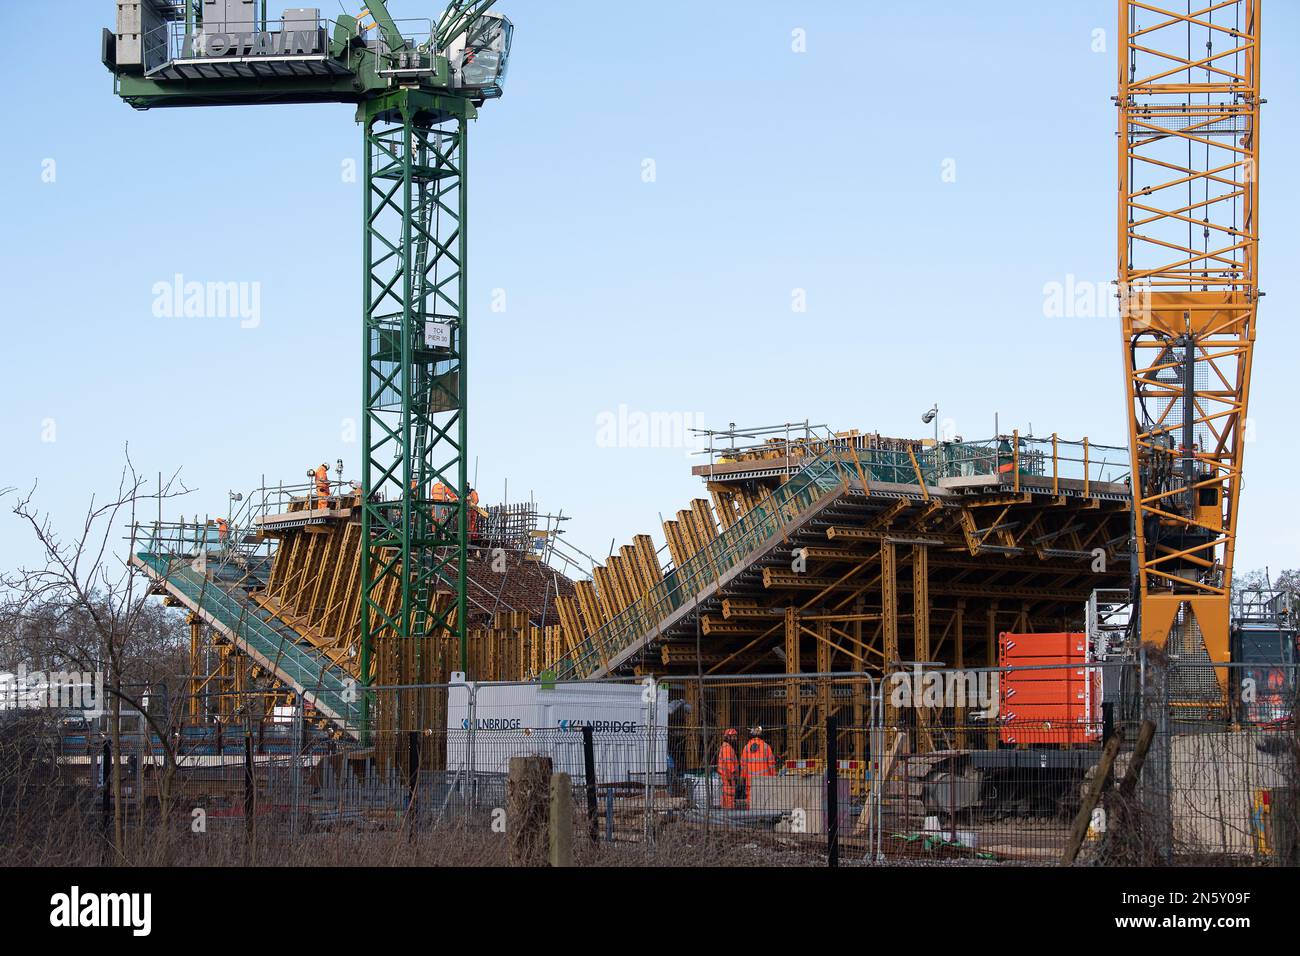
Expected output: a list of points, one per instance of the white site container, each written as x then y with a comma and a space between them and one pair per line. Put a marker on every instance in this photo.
516, 720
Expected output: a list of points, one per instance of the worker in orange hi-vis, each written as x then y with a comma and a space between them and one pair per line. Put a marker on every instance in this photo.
728, 768
756, 760
223, 529
472, 515
322, 486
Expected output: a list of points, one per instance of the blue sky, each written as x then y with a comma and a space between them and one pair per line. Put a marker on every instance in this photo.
775, 171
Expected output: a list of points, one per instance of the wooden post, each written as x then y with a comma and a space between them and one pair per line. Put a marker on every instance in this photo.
528, 788
561, 820
884, 768
1100, 773
1134, 769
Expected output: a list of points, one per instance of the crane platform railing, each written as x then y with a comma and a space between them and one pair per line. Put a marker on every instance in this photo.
242, 538
1052, 458
174, 43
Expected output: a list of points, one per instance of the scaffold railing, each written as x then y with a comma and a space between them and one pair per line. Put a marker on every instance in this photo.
839, 466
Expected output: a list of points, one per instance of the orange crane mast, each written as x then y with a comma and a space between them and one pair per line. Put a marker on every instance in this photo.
1188, 230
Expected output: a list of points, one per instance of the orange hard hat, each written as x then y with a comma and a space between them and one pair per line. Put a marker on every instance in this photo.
731, 732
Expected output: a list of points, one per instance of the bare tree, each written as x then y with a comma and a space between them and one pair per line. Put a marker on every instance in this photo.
83, 605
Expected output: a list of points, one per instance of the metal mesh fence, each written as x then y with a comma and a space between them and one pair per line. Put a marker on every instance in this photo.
1001, 766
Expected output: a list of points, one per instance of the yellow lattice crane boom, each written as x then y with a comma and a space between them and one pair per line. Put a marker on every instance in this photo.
1189, 109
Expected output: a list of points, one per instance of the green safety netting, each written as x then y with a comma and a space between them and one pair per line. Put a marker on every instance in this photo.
323, 683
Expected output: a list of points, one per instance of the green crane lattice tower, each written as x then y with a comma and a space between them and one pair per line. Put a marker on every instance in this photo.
415, 96
414, 429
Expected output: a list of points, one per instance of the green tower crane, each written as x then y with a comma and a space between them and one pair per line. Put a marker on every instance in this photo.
416, 86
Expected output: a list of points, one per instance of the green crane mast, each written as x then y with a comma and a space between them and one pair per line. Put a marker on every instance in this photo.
416, 86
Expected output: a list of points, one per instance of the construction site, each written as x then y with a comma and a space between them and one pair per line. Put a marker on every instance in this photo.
848, 648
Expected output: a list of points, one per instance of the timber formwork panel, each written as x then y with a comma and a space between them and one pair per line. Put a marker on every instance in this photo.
604, 594
647, 560
725, 504
678, 549
686, 534
633, 584
706, 528
624, 593
571, 623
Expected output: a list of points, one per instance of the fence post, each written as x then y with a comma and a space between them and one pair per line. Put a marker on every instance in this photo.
248, 784
1156, 798
527, 792
562, 820
1074, 840
652, 688
706, 758
880, 772
412, 775
832, 792
589, 770
299, 745
1167, 751
107, 783
469, 746
1285, 836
